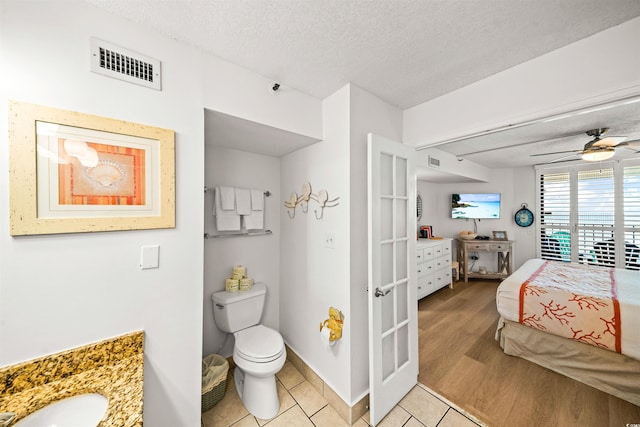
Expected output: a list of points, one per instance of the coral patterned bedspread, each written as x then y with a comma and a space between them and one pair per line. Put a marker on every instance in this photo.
595, 305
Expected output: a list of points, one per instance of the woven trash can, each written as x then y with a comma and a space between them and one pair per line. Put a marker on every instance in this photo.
214, 380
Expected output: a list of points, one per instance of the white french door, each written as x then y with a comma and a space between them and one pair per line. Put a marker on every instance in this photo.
393, 308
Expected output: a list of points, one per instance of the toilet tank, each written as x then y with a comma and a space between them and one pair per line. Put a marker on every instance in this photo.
234, 311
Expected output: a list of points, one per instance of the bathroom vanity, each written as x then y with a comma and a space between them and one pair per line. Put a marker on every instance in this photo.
112, 368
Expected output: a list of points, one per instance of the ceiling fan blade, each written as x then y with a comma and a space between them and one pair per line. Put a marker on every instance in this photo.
569, 158
609, 141
556, 152
631, 145
634, 143
564, 158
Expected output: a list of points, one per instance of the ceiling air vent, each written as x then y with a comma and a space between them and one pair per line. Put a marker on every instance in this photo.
433, 162
120, 63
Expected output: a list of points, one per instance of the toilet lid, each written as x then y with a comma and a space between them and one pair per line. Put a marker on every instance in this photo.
259, 342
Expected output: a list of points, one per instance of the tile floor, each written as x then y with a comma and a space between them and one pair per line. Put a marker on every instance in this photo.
301, 406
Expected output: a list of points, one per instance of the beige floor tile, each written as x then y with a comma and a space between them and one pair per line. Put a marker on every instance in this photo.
286, 402
397, 417
328, 417
308, 398
289, 375
248, 421
454, 418
226, 412
294, 417
361, 423
425, 407
414, 423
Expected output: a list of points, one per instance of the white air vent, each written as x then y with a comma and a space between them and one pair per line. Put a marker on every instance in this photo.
433, 162
120, 63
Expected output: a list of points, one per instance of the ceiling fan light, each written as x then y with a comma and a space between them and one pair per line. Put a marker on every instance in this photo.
598, 155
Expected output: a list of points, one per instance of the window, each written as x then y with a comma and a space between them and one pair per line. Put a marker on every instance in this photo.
590, 213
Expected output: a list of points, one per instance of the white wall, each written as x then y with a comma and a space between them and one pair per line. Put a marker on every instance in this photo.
61, 291
368, 114
315, 277
516, 186
563, 80
260, 254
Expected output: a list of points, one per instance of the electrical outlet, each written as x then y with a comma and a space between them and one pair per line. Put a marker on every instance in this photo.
474, 258
329, 240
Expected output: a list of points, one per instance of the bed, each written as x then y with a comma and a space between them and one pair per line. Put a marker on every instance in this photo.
607, 358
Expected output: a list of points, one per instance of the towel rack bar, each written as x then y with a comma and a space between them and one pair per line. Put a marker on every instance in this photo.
266, 193
248, 233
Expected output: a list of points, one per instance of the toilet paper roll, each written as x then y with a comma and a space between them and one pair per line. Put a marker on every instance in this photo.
324, 333
238, 272
246, 283
231, 284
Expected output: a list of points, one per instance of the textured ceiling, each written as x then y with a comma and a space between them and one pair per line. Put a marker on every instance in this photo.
404, 51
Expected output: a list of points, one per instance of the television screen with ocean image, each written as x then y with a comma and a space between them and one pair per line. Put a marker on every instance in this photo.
475, 205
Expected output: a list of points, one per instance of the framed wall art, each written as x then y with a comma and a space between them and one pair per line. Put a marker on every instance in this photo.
500, 235
72, 172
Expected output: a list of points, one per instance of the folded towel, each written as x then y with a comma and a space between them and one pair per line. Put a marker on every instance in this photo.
226, 220
255, 221
243, 201
257, 199
228, 198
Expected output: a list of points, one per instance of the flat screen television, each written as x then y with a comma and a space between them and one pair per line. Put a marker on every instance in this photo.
475, 205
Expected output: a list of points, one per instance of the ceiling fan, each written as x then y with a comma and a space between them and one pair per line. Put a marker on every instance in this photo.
598, 148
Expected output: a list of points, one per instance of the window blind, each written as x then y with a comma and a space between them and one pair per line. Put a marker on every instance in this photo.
590, 213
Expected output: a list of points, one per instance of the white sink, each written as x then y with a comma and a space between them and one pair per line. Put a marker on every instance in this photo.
84, 410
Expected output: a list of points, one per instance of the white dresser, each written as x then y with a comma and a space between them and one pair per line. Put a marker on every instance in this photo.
433, 264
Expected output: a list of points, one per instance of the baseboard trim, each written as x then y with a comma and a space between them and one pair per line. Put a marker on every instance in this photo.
350, 414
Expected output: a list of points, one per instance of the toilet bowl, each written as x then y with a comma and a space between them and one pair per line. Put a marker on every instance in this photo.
259, 351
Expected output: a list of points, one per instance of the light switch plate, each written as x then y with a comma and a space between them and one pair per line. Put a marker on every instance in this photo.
149, 257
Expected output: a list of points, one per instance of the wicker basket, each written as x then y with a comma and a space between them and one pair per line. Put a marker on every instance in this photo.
214, 369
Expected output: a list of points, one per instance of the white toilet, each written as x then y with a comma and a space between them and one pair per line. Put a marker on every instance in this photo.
258, 352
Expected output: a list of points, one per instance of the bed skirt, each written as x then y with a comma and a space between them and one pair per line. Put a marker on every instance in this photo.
611, 372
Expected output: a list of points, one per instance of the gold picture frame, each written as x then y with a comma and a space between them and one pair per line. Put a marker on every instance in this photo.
500, 235
71, 172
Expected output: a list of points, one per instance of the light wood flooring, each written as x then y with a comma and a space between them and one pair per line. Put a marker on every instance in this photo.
461, 360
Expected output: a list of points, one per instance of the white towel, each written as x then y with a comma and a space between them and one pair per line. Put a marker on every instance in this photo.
255, 221
257, 199
227, 198
243, 201
226, 220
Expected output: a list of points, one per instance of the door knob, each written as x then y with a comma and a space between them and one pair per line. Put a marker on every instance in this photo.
380, 293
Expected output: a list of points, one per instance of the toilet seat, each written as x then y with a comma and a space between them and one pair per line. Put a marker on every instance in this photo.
259, 344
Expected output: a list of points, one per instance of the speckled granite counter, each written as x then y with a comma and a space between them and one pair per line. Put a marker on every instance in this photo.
113, 367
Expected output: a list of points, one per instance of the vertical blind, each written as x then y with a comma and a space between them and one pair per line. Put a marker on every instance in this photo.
590, 214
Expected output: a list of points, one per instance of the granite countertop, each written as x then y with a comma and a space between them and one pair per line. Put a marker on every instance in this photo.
113, 367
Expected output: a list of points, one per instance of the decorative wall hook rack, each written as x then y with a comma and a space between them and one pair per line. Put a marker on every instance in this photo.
302, 200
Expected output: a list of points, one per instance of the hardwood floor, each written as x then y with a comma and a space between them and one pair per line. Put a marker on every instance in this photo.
461, 360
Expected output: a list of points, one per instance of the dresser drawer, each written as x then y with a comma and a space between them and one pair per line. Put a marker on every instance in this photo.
428, 253
442, 277
425, 268
477, 246
499, 247
446, 250
441, 262
419, 255
426, 285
